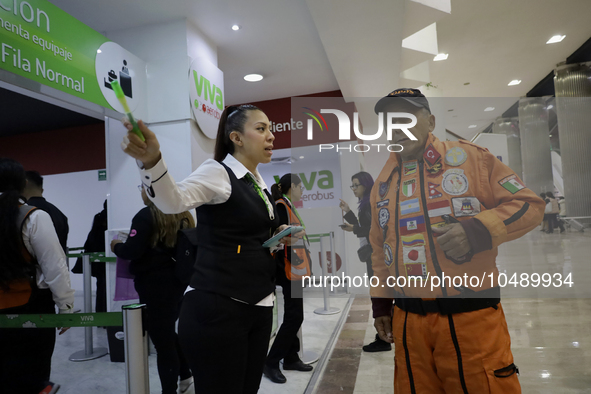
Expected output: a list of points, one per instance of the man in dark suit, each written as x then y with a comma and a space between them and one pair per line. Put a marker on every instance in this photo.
34, 194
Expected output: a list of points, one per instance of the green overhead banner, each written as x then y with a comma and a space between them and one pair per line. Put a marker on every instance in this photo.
45, 44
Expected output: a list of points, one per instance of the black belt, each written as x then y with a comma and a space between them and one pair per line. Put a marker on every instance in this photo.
489, 298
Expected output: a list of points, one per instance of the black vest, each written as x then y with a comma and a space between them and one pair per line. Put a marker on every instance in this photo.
231, 260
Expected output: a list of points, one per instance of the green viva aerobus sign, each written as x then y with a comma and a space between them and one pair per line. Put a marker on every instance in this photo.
43, 43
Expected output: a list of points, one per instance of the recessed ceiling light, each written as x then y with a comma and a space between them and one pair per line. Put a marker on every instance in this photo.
515, 82
472, 126
488, 109
441, 56
550, 106
235, 27
253, 77
301, 157
98, 51
555, 39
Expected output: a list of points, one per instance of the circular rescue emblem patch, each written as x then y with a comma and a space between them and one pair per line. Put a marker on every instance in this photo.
455, 156
454, 182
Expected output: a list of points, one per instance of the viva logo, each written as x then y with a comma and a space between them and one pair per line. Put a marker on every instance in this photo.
325, 179
208, 92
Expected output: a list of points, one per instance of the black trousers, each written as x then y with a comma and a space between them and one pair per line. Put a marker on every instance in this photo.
25, 353
553, 222
101, 286
162, 294
225, 341
287, 344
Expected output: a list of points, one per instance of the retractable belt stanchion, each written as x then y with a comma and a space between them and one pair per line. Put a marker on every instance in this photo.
327, 310
307, 356
136, 338
89, 353
136, 350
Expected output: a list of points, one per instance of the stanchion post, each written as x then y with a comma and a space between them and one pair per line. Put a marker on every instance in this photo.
89, 353
327, 310
333, 258
307, 356
136, 350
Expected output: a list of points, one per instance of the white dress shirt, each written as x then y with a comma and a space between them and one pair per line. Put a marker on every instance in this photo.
208, 184
41, 241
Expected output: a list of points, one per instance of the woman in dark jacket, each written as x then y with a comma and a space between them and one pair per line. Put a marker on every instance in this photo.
293, 262
361, 184
150, 247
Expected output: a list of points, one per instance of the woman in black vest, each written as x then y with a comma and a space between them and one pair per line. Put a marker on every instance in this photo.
286, 346
151, 247
226, 316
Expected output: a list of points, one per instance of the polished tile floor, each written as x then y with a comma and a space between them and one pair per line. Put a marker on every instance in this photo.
103, 376
550, 330
551, 337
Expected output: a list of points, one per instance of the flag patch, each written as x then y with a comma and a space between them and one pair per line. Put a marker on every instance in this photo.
409, 187
409, 167
415, 224
433, 192
438, 208
411, 255
512, 183
410, 206
413, 240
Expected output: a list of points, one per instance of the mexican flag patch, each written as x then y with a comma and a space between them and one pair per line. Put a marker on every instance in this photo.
512, 183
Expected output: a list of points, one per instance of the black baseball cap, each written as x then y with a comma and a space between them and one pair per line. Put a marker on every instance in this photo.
413, 96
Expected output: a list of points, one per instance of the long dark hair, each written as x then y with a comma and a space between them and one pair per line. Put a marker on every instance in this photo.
366, 180
166, 226
284, 184
12, 182
232, 119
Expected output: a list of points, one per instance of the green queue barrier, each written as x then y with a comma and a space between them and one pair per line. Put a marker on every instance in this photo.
135, 343
102, 319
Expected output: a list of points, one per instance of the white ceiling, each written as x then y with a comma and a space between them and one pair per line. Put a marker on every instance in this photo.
309, 46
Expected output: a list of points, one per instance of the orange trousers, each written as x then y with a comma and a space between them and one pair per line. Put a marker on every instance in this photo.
453, 354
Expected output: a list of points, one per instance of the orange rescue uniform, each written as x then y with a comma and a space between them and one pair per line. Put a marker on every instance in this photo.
452, 338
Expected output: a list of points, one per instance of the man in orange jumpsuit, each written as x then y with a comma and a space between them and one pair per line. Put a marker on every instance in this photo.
439, 211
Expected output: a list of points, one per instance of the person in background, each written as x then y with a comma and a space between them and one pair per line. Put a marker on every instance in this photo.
227, 313
151, 249
33, 192
292, 264
562, 205
95, 242
31, 257
553, 220
546, 215
361, 184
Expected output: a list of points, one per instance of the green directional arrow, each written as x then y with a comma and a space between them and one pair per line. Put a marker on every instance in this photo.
102, 319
